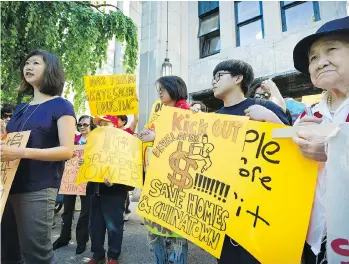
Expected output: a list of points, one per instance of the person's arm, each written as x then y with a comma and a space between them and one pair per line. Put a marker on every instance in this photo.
134, 123
263, 114
3, 128
66, 132
276, 97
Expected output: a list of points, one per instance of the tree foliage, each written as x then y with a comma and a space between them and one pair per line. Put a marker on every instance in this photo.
77, 32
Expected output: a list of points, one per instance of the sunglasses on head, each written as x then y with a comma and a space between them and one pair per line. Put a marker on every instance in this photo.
264, 95
7, 115
83, 125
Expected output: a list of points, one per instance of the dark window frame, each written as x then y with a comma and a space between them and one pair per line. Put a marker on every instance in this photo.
247, 21
284, 7
206, 38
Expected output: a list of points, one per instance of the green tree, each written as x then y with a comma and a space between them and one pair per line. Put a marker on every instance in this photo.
77, 32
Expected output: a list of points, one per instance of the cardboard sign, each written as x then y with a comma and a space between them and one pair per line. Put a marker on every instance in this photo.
111, 94
189, 179
158, 229
312, 99
9, 168
337, 196
112, 154
273, 194
155, 113
70, 174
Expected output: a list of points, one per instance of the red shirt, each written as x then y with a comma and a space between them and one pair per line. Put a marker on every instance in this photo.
128, 130
182, 104
318, 115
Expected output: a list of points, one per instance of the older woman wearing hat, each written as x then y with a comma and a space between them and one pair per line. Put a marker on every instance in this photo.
324, 56
107, 208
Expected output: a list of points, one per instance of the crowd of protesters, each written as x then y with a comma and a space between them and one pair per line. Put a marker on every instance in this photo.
29, 211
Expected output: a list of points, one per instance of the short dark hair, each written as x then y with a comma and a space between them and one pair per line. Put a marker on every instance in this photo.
7, 108
202, 106
123, 118
237, 67
175, 86
92, 125
53, 78
255, 85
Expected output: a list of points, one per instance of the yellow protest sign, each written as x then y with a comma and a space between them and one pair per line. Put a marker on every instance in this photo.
189, 178
154, 116
312, 99
111, 94
155, 113
9, 168
71, 172
273, 193
112, 154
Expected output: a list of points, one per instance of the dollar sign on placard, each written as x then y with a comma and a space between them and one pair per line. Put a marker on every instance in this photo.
186, 180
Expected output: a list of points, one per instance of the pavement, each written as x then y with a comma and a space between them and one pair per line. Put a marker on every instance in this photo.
135, 248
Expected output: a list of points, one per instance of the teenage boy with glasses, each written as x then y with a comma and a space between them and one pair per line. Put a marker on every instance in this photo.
231, 80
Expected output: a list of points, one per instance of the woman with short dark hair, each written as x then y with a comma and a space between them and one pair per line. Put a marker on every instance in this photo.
28, 215
172, 92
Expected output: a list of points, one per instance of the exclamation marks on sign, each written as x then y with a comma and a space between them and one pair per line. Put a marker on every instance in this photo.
213, 187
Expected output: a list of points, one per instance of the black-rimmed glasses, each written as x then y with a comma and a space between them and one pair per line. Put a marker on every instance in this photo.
218, 76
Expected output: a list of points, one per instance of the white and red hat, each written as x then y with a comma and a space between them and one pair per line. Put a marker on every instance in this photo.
109, 118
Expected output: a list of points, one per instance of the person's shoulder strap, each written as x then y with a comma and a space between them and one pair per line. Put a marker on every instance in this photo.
289, 116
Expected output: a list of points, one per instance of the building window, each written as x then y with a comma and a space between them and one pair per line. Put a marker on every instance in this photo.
249, 22
209, 33
297, 14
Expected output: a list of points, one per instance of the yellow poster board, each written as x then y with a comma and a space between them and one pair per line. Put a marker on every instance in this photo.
112, 154
111, 94
9, 168
189, 179
312, 99
155, 113
273, 193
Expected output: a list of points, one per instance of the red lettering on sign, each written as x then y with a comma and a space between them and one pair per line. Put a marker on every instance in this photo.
337, 246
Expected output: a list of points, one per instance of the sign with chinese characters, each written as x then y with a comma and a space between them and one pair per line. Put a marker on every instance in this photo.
71, 172
9, 168
112, 154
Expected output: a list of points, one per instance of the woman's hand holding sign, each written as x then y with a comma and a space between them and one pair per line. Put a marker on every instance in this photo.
310, 144
147, 135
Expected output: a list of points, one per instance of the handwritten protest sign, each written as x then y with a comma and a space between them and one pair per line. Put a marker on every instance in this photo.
71, 172
189, 179
155, 113
273, 193
150, 225
337, 196
9, 168
158, 229
111, 94
112, 154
